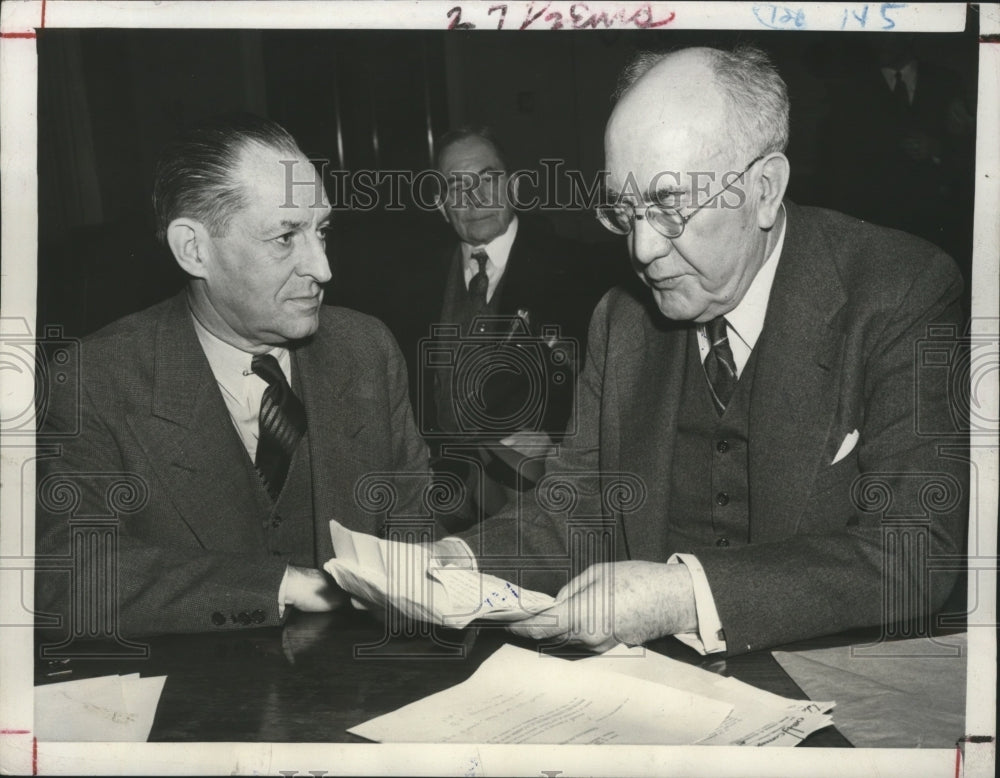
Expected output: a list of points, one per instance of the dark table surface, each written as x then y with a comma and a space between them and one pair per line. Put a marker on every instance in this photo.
323, 673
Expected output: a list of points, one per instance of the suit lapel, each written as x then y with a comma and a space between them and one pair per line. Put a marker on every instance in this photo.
795, 394
325, 377
517, 277
191, 442
649, 379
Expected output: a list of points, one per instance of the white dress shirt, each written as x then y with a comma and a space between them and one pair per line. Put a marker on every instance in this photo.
743, 326
498, 250
241, 388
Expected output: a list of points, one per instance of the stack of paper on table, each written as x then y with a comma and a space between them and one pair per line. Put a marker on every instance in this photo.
758, 718
110, 708
406, 576
628, 697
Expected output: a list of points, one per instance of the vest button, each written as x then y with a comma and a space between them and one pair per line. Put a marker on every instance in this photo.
275, 553
722, 446
722, 542
275, 522
218, 619
722, 498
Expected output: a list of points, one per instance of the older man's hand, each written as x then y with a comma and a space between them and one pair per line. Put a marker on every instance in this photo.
617, 602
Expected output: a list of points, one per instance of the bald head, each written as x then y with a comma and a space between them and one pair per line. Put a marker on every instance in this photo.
754, 96
678, 102
697, 134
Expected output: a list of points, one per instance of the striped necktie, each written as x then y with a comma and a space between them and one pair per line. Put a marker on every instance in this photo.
479, 284
719, 364
282, 424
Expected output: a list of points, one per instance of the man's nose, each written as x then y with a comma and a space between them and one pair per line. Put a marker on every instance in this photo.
647, 244
314, 262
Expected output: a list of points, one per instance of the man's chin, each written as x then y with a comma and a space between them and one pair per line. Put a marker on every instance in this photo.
674, 306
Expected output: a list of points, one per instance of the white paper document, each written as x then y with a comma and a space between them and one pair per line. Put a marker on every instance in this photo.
518, 696
110, 708
408, 577
758, 717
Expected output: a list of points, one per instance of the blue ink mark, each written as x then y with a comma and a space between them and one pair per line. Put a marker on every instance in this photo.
886, 7
779, 17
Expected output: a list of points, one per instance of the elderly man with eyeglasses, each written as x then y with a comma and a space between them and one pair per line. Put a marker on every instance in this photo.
763, 456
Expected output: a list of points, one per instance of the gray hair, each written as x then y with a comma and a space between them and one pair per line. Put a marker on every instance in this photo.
196, 174
756, 95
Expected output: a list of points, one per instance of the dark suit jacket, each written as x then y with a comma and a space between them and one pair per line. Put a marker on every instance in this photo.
868, 174
191, 544
839, 351
550, 277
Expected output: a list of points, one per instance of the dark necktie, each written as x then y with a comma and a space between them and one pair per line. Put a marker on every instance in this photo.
480, 282
719, 364
899, 93
282, 424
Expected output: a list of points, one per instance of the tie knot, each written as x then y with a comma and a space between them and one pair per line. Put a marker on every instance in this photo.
481, 258
716, 330
267, 367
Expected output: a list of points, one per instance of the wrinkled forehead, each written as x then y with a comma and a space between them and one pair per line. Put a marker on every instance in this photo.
470, 155
280, 180
673, 121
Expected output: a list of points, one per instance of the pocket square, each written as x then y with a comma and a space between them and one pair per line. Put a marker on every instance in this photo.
847, 446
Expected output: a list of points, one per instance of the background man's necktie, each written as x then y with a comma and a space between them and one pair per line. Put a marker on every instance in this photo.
899, 93
480, 282
282, 424
720, 367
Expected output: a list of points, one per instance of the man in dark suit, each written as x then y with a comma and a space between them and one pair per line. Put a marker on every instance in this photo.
509, 305
903, 124
228, 425
762, 457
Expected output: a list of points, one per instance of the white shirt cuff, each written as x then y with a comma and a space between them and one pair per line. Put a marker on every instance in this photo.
281, 594
709, 639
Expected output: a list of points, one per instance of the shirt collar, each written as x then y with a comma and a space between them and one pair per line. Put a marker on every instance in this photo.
746, 320
231, 365
498, 249
908, 73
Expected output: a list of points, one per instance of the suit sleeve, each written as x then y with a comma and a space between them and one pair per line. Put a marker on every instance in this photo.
100, 576
901, 504
532, 534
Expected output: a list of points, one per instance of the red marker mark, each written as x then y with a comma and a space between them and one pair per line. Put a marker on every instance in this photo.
958, 761
15, 731
34, 756
30, 34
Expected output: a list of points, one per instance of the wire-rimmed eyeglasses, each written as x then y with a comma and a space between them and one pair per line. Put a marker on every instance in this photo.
620, 218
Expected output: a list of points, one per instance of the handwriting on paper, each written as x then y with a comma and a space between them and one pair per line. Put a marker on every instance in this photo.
579, 16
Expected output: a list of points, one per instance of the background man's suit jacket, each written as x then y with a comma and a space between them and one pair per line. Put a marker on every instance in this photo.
150, 407
550, 277
839, 351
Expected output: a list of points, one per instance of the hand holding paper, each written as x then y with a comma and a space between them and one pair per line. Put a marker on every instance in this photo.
609, 603
423, 582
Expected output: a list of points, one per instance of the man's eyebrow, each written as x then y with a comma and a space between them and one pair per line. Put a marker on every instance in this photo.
459, 174
664, 192
292, 224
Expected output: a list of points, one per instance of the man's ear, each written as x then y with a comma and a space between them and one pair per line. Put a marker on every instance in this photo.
189, 241
774, 174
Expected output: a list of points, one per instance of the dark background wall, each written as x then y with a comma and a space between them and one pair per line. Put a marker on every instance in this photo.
109, 99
